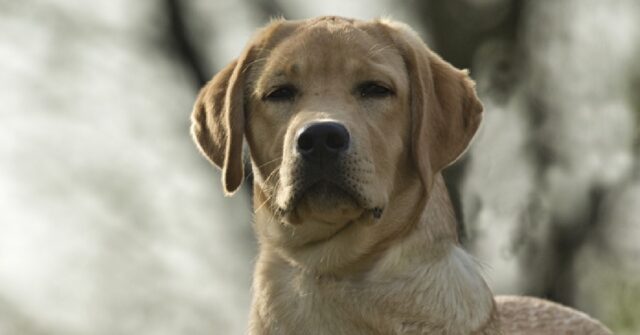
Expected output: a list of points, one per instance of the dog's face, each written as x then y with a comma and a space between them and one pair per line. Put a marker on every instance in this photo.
347, 123
320, 111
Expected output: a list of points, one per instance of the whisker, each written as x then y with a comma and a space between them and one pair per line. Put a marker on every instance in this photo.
271, 175
270, 191
263, 203
269, 162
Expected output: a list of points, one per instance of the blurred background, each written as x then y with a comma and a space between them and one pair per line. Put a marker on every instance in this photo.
112, 223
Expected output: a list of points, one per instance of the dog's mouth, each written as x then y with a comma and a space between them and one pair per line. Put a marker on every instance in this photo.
328, 202
330, 195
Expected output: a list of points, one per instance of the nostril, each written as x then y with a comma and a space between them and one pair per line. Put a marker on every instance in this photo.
336, 141
305, 142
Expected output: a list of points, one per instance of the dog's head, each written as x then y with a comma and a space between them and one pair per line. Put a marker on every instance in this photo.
348, 124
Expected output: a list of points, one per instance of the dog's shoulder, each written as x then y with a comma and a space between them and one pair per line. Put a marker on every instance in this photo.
529, 315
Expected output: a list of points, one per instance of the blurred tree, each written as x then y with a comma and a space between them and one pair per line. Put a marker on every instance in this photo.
181, 42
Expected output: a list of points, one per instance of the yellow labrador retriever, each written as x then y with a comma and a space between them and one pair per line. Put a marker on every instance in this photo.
349, 124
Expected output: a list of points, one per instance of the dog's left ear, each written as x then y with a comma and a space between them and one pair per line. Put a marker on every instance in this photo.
445, 110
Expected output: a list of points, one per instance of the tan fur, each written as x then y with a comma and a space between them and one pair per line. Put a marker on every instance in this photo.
327, 265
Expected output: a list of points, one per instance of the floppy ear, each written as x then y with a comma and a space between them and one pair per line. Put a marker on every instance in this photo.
445, 110
217, 122
218, 116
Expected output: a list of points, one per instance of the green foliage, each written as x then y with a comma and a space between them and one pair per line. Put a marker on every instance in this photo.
624, 315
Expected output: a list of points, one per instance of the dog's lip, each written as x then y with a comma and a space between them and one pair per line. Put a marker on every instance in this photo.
290, 213
328, 185
344, 227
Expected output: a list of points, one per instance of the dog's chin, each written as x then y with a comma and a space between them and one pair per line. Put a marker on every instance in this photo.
328, 203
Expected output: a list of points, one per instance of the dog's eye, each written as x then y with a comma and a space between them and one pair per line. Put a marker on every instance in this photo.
374, 90
281, 93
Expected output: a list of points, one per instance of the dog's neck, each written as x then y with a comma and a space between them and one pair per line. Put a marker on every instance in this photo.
431, 231
437, 219
422, 282
430, 237
430, 267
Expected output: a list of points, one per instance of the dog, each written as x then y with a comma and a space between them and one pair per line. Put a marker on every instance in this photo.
349, 124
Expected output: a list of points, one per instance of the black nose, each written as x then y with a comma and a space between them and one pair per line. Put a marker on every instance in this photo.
322, 140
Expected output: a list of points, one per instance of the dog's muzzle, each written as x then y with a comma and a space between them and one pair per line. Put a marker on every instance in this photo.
325, 165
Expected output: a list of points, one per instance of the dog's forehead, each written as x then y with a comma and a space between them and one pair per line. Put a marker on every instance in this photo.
329, 47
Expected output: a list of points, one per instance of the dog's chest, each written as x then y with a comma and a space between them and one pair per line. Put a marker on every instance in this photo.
328, 306
441, 298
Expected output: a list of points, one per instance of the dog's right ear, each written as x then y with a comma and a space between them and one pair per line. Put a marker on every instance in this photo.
218, 117
217, 123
